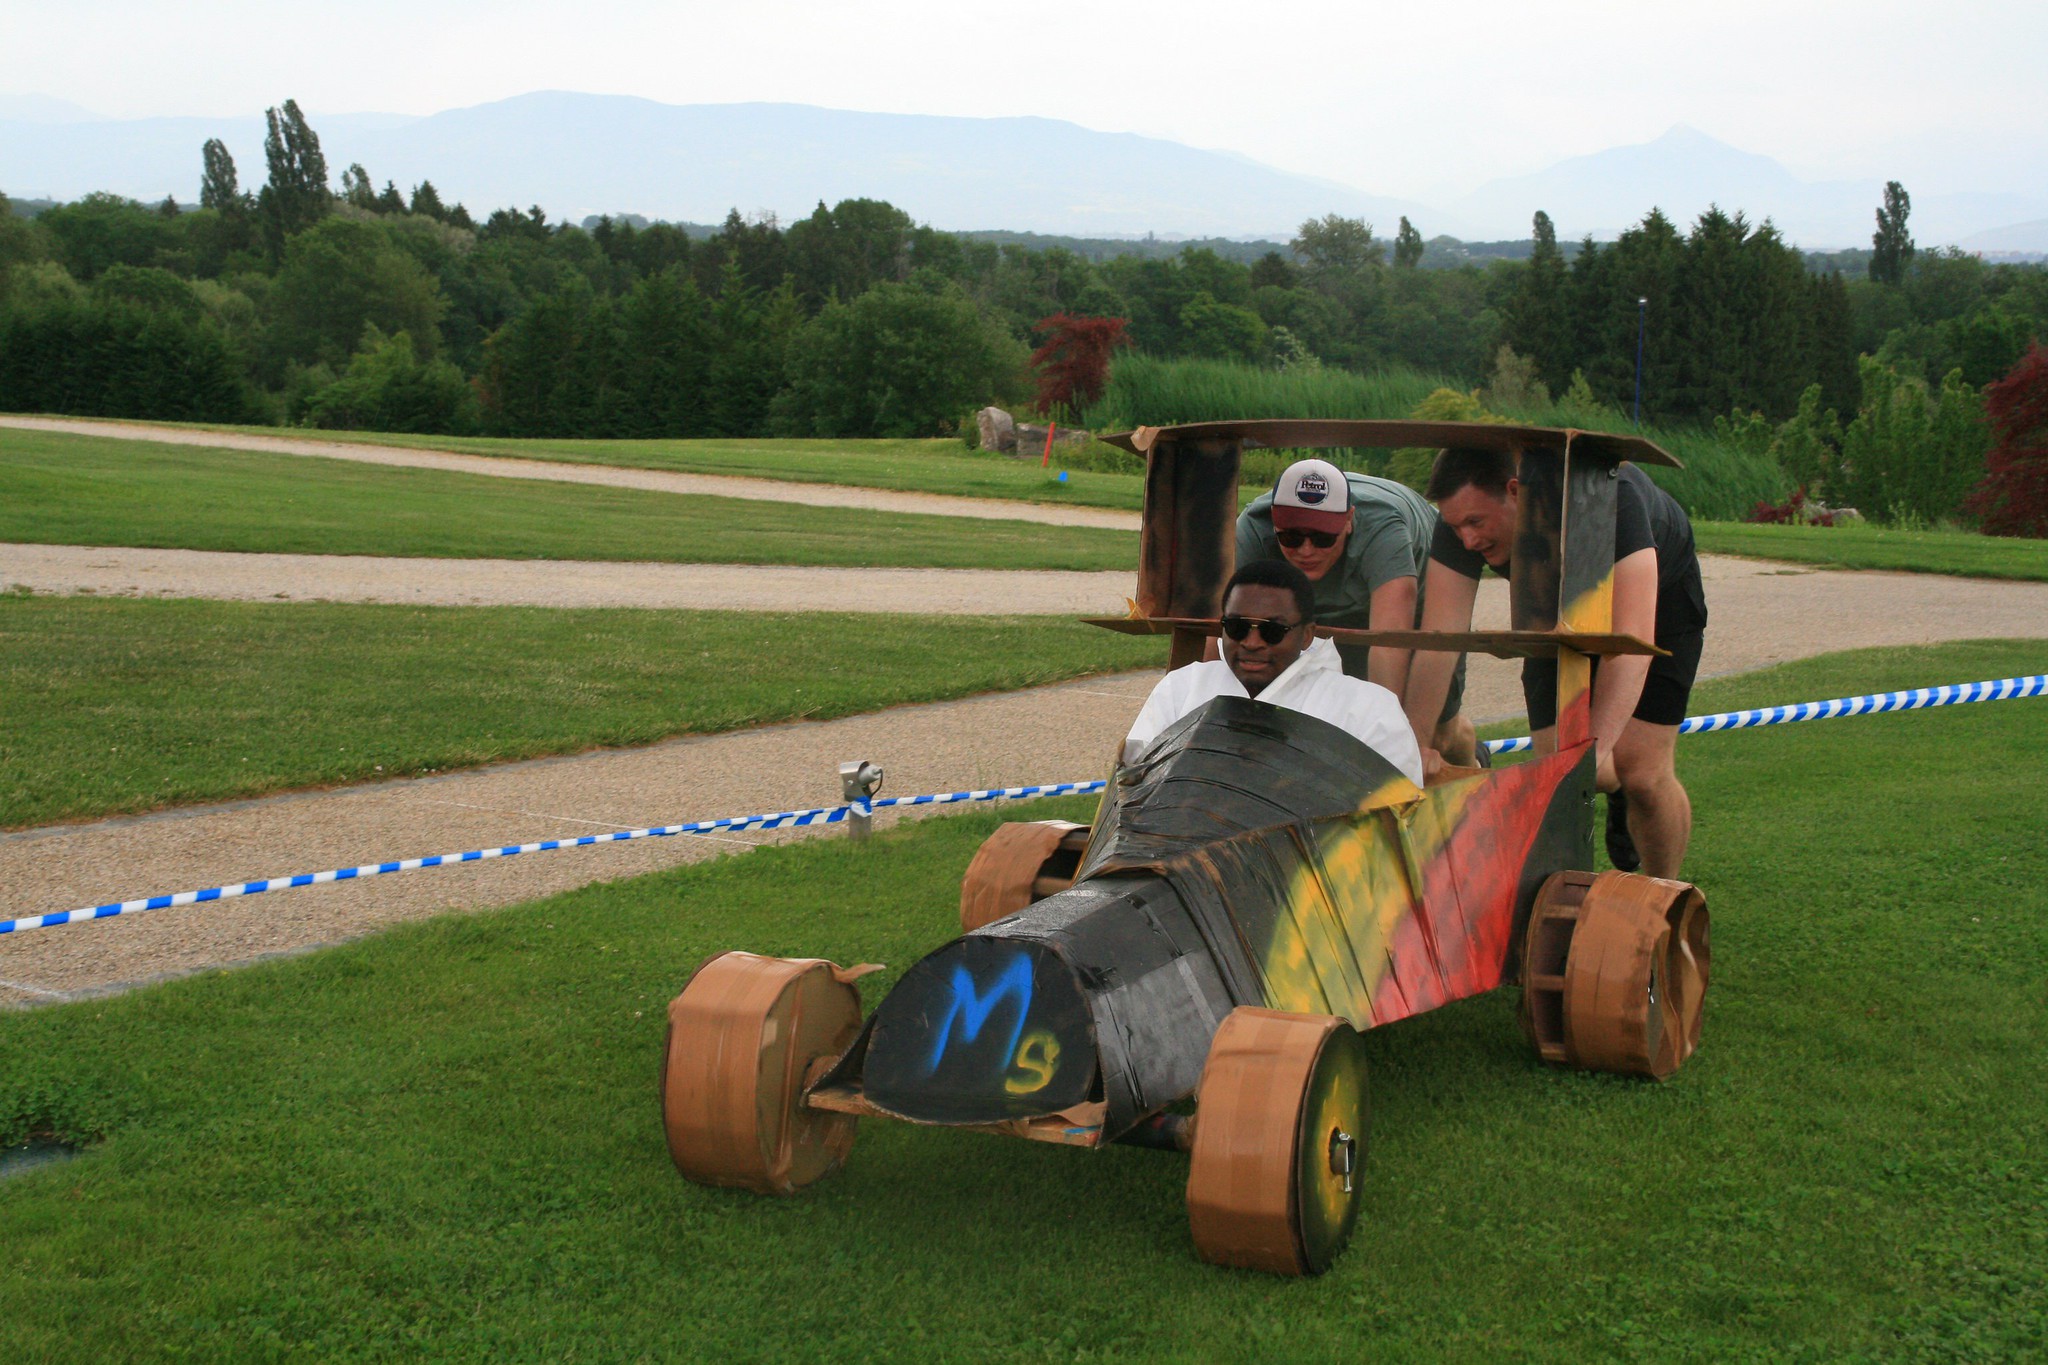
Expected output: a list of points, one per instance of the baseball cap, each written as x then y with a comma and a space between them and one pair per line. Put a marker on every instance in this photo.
1312, 496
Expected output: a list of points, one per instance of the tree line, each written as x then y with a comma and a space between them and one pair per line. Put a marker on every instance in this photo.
333, 302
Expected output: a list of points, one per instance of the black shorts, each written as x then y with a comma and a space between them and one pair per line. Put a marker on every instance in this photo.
1666, 691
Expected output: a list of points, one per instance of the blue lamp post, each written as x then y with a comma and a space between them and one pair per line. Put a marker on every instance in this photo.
1642, 324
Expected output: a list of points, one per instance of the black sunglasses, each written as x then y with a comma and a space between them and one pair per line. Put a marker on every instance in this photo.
1271, 631
1292, 539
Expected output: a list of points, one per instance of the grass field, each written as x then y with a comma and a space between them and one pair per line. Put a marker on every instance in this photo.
1877, 547
910, 466
443, 1142
51, 497
118, 705
82, 490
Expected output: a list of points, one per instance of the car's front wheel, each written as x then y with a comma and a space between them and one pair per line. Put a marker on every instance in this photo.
1277, 1174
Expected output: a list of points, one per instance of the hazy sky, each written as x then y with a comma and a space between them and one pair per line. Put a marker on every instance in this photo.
1411, 99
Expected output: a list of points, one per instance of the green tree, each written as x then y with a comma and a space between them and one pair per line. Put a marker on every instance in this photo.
666, 346
550, 371
1272, 271
296, 195
342, 274
901, 360
109, 356
356, 188
1891, 246
103, 230
842, 251
1408, 246
1334, 245
388, 386
219, 189
1221, 331
1808, 445
1538, 321
426, 202
1909, 455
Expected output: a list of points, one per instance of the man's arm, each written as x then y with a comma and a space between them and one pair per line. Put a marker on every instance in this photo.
1448, 598
1393, 608
1619, 685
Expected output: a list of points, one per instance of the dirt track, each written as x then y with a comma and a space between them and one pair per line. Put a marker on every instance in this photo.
610, 476
1763, 614
112, 571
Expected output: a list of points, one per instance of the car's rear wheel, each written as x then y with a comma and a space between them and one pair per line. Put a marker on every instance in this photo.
1277, 1174
1023, 861
1614, 974
744, 1039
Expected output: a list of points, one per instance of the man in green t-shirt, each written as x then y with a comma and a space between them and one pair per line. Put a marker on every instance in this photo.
1363, 543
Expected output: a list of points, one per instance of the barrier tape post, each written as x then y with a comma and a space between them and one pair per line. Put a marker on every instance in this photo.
1954, 694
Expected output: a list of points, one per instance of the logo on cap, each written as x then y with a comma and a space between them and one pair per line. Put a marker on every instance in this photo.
1311, 488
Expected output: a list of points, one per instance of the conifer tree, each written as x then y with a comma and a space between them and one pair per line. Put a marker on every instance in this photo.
1538, 316
1891, 246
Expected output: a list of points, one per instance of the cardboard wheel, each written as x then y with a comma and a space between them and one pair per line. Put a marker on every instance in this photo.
1276, 1177
1616, 974
1013, 864
744, 1038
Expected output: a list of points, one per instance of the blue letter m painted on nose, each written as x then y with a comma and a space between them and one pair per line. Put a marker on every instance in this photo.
971, 1009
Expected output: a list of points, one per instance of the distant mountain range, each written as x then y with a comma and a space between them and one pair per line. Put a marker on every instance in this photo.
577, 154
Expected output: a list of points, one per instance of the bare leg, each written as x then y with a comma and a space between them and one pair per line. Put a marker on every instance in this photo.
1457, 741
1659, 811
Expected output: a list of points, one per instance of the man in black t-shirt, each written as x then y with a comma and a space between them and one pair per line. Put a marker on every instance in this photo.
1638, 700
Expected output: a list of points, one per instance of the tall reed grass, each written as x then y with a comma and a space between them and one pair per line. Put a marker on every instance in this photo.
1719, 482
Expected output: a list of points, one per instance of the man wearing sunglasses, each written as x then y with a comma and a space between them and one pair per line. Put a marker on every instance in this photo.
1363, 543
1270, 653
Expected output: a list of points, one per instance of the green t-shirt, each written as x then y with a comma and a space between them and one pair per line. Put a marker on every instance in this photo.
1391, 528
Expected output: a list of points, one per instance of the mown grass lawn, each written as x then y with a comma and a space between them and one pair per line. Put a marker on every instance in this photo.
87, 490
121, 705
1879, 547
912, 466
443, 1142
947, 467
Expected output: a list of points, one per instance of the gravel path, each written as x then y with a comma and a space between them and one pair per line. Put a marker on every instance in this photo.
121, 572
1763, 614
611, 476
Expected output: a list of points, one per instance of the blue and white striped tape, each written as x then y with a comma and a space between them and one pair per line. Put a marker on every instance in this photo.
817, 815
1955, 694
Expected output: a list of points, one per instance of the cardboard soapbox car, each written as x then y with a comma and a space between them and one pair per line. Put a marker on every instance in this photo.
1257, 888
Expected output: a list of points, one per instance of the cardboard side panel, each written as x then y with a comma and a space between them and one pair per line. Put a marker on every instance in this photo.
1585, 599
1188, 540
1533, 590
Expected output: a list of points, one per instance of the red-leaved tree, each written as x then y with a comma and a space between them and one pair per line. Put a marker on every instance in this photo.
2013, 497
1073, 364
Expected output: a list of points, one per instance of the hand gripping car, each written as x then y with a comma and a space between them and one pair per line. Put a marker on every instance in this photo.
1257, 889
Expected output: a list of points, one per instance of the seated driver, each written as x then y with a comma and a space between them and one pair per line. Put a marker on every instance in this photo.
1270, 653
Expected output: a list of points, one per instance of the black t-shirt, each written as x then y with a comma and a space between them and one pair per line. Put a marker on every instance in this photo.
1645, 516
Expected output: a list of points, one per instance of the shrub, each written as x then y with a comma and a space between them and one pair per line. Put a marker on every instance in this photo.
388, 387
1907, 452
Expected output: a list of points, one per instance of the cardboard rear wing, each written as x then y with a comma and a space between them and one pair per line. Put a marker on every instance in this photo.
1561, 586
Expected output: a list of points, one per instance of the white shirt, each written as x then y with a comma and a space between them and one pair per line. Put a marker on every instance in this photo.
1314, 684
